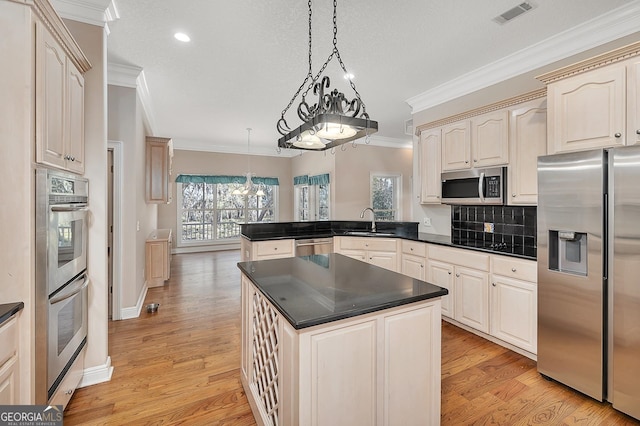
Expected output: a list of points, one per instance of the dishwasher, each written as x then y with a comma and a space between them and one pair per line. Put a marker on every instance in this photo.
314, 246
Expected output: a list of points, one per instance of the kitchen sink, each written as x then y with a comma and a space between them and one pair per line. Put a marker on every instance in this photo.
370, 234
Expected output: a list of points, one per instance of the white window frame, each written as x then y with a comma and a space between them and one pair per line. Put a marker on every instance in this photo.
181, 243
314, 202
397, 196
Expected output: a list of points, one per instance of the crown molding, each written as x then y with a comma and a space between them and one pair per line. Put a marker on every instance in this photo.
516, 100
208, 146
610, 26
93, 12
133, 77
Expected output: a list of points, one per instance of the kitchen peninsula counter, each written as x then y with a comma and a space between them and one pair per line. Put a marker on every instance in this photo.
331, 340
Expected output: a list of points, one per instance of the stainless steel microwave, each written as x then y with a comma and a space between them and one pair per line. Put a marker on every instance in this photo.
475, 186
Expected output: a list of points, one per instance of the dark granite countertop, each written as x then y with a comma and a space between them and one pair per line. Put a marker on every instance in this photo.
325, 229
7, 310
313, 290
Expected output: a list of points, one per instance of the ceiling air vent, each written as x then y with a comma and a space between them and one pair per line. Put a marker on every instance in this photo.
408, 127
512, 13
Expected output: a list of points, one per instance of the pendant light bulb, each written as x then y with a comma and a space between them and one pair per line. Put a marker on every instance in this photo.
334, 131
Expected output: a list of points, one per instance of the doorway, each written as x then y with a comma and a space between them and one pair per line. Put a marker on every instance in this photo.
114, 217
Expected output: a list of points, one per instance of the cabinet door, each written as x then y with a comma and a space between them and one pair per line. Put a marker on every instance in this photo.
50, 103
490, 139
456, 146
514, 310
430, 167
472, 298
75, 119
588, 111
633, 102
441, 274
528, 141
413, 266
355, 254
157, 174
387, 260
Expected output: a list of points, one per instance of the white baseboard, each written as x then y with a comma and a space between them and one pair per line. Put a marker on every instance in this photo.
134, 311
98, 374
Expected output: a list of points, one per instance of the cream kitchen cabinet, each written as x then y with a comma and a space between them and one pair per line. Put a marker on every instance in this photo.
268, 249
381, 252
514, 302
9, 371
413, 259
430, 166
466, 275
159, 155
528, 140
456, 146
59, 109
158, 257
480, 142
594, 103
490, 139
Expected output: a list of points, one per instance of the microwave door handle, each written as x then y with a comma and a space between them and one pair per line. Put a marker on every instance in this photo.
72, 292
481, 187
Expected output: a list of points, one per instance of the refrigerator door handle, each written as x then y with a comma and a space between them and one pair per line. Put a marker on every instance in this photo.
480, 187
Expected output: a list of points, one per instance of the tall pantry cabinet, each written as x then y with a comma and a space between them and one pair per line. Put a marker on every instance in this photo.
41, 111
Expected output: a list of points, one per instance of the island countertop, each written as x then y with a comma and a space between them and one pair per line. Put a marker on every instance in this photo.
314, 290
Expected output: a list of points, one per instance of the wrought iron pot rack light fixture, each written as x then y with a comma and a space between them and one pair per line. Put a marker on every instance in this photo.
333, 120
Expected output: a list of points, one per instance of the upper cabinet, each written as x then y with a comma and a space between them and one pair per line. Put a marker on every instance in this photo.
490, 139
430, 166
510, 133
594, 103
59, 115
159, 155
527, 141
456, 146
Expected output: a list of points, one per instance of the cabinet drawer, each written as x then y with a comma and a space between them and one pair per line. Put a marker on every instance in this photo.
374, 243
274, 247
461, 257
414, 247
70, 382
525, 270
8, 340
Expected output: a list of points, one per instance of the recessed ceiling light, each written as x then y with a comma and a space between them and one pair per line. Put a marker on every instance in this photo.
182, 37
348, 76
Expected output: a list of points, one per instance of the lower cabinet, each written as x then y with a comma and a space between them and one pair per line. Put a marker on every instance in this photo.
158, 257
413, 259
268, 249
9, 372
382, 252
468, 298
514, 302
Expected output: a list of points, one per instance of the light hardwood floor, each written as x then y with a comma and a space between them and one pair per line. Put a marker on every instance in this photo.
181, 366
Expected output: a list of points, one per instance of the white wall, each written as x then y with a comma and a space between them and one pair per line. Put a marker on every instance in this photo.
126, 125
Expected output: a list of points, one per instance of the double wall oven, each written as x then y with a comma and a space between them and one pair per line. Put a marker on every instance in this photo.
61, 281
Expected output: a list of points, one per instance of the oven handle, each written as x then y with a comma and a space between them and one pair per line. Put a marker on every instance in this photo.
75, 289
69, 207
481, 187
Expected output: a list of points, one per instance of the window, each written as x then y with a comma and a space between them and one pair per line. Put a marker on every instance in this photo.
385, 196
312, 197
209, 212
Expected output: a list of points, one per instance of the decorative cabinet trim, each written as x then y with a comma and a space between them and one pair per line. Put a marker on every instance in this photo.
536, 94
598, 61
52, 21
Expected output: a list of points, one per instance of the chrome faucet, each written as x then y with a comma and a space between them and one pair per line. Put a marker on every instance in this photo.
373, 219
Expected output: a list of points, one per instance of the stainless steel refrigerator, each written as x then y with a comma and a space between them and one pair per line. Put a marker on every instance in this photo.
589, 273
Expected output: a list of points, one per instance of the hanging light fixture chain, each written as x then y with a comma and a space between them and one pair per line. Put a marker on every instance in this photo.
309, 71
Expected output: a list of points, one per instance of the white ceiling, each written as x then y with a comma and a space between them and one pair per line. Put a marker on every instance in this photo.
247, 58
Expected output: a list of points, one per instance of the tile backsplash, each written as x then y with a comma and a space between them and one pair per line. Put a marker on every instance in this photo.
502, 228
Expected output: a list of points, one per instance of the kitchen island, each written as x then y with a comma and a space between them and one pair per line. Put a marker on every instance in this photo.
329, 340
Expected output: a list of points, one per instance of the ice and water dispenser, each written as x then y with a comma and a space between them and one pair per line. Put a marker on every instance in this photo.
568, 252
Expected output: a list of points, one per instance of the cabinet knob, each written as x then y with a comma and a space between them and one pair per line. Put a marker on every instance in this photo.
638, 132
449, 273
513, 269
275, 248
411, 248
69, 392
618, 135
457, 275
475, 161
66, 157
72, 158
493, 284
421, 265
513, 195
466, 162
437, 196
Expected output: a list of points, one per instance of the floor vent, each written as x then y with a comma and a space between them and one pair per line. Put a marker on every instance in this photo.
513, 13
